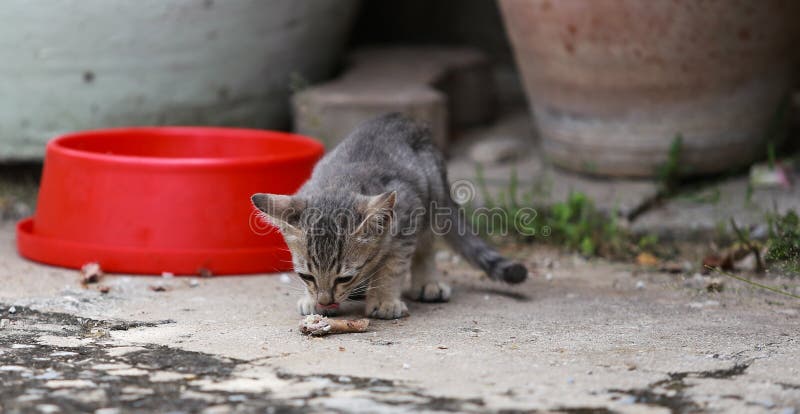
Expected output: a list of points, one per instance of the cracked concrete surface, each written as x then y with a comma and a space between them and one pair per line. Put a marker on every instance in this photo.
593, 337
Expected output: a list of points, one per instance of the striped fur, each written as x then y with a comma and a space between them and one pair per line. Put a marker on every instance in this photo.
362, 224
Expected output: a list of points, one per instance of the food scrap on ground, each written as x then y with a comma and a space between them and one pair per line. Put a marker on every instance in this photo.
158, 287
770, 176
646, 259
714, 285
91, 273
104, 289
318, 325
716, 261
675, 267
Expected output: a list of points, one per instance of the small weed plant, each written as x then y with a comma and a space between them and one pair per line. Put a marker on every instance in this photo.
783, 243
574, 223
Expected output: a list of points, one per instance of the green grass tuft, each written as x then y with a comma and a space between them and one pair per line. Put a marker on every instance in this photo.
784, 241
669, 173
574, 223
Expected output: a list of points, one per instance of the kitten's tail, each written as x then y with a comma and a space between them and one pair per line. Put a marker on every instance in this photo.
475, 250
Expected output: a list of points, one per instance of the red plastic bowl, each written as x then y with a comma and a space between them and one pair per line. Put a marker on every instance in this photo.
153, 200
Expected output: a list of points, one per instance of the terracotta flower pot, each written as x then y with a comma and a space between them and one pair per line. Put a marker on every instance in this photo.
612, 83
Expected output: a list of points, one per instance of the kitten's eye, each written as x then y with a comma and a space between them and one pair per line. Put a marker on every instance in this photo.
344, 279
307, 278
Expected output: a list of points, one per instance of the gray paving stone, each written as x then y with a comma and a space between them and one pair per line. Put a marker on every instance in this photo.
706, 212
702, 213
545, 183
441, 86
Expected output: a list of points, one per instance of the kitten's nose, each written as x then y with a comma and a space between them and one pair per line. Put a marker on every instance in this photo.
324, 300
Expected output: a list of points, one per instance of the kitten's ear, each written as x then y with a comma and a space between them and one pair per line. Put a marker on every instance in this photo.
382, 203
378, 214
281, 210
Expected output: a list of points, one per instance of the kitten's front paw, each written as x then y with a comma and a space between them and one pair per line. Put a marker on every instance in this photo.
433, 292
306, 305
390, 309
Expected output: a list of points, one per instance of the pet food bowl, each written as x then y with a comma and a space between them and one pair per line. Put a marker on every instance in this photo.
173, 199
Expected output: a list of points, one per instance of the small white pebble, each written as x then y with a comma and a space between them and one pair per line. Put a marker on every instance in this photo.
577, 260
630, 399
193, 283
345, 379
12, 368
486, 297
63, 353
237, 398
12, 310
548, 276
48, 375
640, 285
285, 278
406, 365
48, 408
442, 255
766, 403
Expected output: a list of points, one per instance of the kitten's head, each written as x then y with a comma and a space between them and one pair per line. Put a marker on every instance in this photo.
334, 240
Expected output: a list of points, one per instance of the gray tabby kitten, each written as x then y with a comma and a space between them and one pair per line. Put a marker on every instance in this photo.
366, 219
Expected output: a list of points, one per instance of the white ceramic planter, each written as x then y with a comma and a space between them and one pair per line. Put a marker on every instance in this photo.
68, 65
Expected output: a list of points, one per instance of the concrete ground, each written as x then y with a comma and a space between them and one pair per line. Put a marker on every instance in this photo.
580, 337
